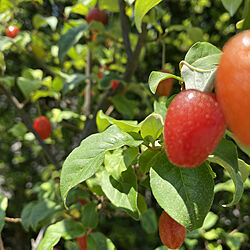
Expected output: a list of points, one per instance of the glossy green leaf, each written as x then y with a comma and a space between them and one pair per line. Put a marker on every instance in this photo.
151, 127
19, 130
145, 158
156, 77
244, 169
52, 22
246, 15
69, 39
103, 121
110, 5
186, 194
122, 194
98, 241
160, 108
231, 5
210, 220
90, 216
141, 9
68, 229
119, 160
3, 207
226, 155
38, 21
5, 43
85, 160
149, 221
8, 81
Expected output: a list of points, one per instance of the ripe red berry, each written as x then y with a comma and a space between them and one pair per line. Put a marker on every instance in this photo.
114, 84
97, 15
42, 126
233, 85
12, 31
165, 86
172, 233
83, 202
100, 75
193, 127
82, 242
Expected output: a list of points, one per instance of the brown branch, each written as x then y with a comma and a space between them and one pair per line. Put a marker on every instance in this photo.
132, 64
13, 220
1, 243
28, 124
87, 99
125, 29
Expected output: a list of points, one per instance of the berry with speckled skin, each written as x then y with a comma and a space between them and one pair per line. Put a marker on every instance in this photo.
193, 127
172, 233
82, 242
42, 126
233, 85
12, 31
97, 15
165, 86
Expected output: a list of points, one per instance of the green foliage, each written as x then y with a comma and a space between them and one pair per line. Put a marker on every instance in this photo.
3, 207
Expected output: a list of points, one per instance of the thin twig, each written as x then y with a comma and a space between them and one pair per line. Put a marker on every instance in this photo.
13, 220
35, 243
29, 125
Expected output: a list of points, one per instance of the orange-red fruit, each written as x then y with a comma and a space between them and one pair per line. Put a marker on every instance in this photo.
165, 86
100, 75
172, 233
12, 31
233, 85
194, 125
114, 84
97, 15
82, 242
42, 126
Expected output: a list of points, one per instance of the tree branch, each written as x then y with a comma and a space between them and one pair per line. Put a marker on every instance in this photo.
35, 243
125, 29
13, 220
132, 64
29, 125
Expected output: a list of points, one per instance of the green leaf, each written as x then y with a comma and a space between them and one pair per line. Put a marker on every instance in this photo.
149, 221
90, 215
151, 127
52, 22
110, 5
122, 194
210, 220
8, 81
103, 121
98, 241
141, 9
38, 21
199, 68
119, 160
160, 108
144, 160
68, 229
5, 43
27, 86
3, 207
156, 77
231, 5
244, 169
246, 15
85, 160
72, 81
69, 39
226, 155
33, 214
186, 194
18, 130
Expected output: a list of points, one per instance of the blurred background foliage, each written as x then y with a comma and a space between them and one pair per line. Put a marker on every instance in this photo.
58, 92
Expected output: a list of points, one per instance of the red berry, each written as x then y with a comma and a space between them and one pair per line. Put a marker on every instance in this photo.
82, 242
42, 126
165, 86
193, 127
83, 202
97, 15
114, 84
100, 75
233, 85
172, 233
12, 31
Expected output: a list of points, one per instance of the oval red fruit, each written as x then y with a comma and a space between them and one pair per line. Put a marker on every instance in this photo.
165, 86
233, 85
82, 242
97, 15
172, 233
193, 127
12, 31
42, 126
114, 84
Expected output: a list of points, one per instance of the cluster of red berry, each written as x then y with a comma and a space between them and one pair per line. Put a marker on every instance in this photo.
196, 121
